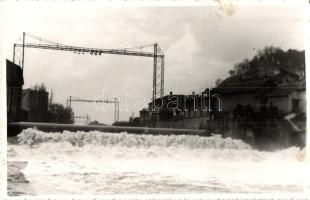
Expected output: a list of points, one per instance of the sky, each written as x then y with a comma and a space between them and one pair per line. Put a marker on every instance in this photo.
201, 44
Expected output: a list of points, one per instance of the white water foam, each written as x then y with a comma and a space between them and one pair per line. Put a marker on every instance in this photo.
109, 163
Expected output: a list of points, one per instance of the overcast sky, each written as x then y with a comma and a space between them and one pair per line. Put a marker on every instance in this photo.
200, 45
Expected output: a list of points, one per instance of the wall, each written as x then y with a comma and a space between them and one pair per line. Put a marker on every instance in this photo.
192, 123
229, 102
26, 100
285, 103
14, 81
14, 103
35, 105
301, 95
282, 103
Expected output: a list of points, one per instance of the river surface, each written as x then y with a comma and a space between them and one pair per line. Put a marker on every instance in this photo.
97, 163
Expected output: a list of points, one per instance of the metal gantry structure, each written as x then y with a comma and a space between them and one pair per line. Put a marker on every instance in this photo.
156, 54
107, 101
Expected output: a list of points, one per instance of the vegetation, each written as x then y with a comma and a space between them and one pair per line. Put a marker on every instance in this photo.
270, 57
60, 114
95, 122
52, 112
39, 88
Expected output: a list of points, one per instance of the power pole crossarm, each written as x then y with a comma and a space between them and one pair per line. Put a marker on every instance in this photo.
92, 51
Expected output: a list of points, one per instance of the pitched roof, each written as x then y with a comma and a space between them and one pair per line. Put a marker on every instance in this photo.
245, 86
286, 89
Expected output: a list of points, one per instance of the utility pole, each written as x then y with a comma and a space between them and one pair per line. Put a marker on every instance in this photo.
23, 56
162, 76
70, 101
51, 99
116, 110
154, 83
14, 53
155, 72
88, 119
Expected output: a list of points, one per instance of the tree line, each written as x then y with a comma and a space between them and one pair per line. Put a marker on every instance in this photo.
291, 60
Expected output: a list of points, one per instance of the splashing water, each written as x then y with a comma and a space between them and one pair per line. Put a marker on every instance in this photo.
109, 163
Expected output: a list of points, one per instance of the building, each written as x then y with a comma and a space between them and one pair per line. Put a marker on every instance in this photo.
15, 81
178, 111
259, 88
289, 97
145, 115
251, 107
244, 92
35, 105
254, 108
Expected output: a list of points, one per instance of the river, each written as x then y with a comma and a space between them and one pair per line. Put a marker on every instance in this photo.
98, 163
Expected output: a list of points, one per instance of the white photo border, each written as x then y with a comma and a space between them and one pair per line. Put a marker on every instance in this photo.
134, 3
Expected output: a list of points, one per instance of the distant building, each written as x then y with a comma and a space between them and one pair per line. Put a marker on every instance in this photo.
244, 92
177, 111
15, 81
289, 97
35, 105
145, 115
274, 89
254, 107
274, 86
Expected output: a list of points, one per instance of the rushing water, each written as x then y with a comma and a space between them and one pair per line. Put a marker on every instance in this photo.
106, 163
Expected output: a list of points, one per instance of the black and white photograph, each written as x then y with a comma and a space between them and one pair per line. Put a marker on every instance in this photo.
154, 99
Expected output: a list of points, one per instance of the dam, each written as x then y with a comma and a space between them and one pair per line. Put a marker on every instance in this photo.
15, 127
